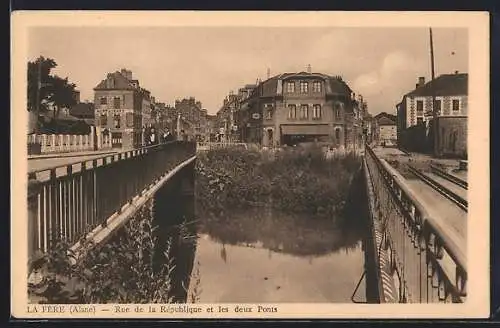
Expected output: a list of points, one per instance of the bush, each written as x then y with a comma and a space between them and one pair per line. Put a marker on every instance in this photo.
297, 180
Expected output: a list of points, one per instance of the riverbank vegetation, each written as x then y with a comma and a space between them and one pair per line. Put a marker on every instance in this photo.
297, 202
127, 269
298, 181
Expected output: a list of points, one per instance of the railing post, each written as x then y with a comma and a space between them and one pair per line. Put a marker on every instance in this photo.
33, 217
54, 209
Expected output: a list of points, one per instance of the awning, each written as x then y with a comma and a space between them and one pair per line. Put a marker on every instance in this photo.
305, 129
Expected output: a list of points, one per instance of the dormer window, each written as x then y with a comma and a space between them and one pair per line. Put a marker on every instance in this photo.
317, 87
304, 87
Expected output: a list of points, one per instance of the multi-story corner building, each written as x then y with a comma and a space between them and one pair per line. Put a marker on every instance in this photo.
147, 119
211, 128
118, 109
415, 114
291, 108
190, 111
228, 122
203, 132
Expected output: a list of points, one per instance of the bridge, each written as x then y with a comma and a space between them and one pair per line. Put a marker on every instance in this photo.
417, 247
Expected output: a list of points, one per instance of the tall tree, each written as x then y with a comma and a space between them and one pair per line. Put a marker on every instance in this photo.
61, 93
38, 79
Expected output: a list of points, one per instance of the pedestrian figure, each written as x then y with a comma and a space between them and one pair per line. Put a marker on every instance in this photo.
152, 137
167, 136
183, 135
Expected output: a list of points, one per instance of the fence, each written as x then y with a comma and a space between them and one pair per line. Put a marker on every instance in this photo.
71, 203
64, 143
219, 145
430, 266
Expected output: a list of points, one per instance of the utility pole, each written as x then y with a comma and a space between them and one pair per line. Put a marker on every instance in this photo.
434, 109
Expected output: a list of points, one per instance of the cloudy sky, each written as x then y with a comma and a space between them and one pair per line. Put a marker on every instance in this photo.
207, 62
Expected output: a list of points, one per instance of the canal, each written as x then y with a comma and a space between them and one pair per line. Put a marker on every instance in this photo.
260, 254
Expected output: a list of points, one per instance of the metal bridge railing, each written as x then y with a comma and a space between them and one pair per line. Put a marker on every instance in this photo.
219, 145
431, 267
71, 203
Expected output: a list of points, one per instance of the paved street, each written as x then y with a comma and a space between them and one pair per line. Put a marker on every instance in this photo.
450, 185
47, 163
42, 164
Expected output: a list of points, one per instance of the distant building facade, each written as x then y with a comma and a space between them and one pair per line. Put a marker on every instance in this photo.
84, 111
385, 128
191, 117
415, 115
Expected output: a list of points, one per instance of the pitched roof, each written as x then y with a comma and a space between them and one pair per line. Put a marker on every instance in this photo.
82, 110
386, 121
120, 82
443, 85
339, 86
269, 87
385, 118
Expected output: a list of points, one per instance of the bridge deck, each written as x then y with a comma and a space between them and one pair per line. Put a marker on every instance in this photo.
38, 164
443, 211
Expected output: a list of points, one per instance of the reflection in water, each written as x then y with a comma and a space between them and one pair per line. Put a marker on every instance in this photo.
280, 232
264, 255
249, 275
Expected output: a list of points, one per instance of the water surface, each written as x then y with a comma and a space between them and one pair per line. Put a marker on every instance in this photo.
262, 255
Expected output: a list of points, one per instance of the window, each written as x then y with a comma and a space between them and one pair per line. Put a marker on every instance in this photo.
304, 109
420, 107
438, 106
290, 87
456, 105
104, 101
316, 112
292, 112
116, 121
337, 134
337, 111
304, 87
117, 102
317, 86
104, 119
129, 118
269, 113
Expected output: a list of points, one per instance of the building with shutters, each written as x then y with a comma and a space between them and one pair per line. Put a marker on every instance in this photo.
292, 108
415, 115
118, 101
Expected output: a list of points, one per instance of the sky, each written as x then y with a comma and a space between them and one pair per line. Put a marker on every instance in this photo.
382, 64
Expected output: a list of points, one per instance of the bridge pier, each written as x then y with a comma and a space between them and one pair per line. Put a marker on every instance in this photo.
173, 215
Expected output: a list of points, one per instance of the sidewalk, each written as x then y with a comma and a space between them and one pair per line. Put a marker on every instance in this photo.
73, 154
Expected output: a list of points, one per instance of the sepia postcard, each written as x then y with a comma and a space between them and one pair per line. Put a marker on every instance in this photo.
186, 165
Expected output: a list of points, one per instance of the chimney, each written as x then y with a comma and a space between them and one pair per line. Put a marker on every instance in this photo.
421, 81
126, 73
456, 72
309, 68
268, 72
76, 95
